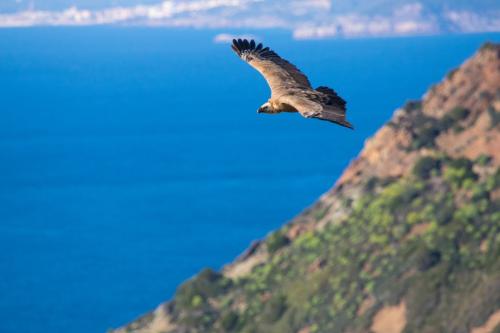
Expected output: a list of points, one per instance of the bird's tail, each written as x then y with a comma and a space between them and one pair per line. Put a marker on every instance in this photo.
334, 108
334, 99
333, 115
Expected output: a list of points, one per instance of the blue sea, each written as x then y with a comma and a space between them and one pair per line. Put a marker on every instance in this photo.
131, 158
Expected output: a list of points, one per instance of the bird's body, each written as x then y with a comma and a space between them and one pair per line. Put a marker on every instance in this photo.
291, 90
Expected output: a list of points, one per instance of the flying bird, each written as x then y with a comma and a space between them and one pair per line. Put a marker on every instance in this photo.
291, 90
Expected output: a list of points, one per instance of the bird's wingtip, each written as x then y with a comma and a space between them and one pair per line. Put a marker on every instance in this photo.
239, 45
347, 124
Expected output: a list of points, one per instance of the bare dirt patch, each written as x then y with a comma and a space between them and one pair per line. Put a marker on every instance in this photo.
390, 319
490, 324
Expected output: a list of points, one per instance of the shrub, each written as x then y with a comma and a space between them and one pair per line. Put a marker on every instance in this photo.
428, 259
483, 160
459, 171
415, 105
461, 163
397, 195
371, 184
446, 123
320, 212
208, 283
424, 167
274, 308
196, 301
229, 321
426, 136
413, 218
493, 181
451, 73
276, 241
488, 46
452, 119
444, 214
458, 113
494, 117
479, 192
466, 213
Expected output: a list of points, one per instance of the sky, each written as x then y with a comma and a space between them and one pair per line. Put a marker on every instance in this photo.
306, 19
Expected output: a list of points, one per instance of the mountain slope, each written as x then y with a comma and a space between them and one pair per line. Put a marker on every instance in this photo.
407, 240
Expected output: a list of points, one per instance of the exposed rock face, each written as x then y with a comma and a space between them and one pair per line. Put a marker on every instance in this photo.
473, 87
407, 239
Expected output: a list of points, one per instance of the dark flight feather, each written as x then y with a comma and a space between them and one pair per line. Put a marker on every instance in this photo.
291, 90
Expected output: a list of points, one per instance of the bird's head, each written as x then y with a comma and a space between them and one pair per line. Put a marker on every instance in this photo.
265, 108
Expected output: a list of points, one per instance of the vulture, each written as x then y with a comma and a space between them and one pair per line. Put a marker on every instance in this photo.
291, 90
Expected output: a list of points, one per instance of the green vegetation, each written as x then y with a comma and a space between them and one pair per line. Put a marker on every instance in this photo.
487, 46
494, 117
460, 172
195, 292
483, 160
451, 73
452, 119
276, 241
427, 129
320, 279
415, 105
429, 239
229, 321
274, 309
425, 166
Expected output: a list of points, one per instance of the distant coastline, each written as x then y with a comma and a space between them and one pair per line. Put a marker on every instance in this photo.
304, 19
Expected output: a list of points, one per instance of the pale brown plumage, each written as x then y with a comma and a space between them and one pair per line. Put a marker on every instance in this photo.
291, 90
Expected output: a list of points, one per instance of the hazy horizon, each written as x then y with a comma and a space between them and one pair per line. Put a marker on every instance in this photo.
314, 19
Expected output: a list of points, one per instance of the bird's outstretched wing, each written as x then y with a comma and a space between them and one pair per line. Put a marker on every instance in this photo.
279, 73
289, 86
322, 103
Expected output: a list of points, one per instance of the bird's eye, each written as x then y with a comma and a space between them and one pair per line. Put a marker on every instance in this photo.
249, 58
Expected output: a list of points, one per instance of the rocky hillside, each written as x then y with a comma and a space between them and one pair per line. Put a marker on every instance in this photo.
406, 241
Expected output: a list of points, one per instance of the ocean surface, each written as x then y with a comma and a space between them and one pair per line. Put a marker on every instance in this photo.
131, 158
